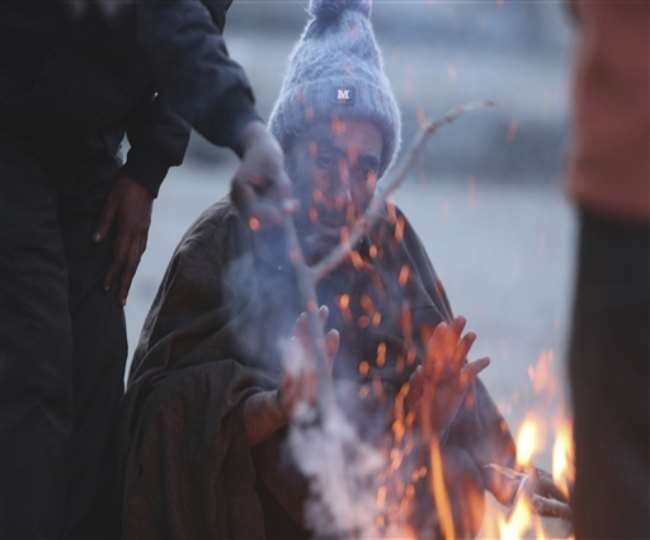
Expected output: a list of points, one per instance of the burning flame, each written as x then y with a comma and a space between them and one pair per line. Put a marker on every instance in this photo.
563, 468
528, 442
443, 506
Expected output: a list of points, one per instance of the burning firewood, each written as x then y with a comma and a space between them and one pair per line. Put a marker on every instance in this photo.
535, 486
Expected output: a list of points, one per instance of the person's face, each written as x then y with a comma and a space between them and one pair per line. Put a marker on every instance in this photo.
334, 170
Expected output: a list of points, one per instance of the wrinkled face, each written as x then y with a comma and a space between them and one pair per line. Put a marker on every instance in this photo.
334, 170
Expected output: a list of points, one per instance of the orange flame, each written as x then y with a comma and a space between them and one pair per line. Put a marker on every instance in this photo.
563, 468
254, 224
528, 441
440, 491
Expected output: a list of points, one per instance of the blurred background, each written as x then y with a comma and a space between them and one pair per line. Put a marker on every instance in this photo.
487, 199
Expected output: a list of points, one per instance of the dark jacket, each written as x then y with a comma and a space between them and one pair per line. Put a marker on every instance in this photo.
81, 79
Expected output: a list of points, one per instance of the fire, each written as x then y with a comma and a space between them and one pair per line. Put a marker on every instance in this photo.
443, 506
545, 416
404, 274
563, 468
381, 354
528, 442
541, 374
519, 522
254, 224
399, 229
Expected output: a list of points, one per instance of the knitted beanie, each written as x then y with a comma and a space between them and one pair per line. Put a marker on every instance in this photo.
336, 71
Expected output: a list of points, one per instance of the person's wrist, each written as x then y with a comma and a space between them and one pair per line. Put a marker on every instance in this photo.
251, 134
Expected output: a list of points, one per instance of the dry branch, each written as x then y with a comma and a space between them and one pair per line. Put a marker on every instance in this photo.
536, 486
307, 277
387, 186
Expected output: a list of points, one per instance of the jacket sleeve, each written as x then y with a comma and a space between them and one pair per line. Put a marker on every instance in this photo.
184, 46
158, 139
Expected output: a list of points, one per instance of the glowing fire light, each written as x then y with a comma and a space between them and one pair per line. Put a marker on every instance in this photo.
381, 354
440, 492
399, 229
254, 224
563, 472
527, 442
404, 273
516, 526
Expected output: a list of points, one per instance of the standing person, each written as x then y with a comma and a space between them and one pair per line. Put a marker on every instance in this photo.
74, 223
610, 351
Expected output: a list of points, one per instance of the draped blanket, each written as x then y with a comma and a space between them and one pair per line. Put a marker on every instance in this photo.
214, 336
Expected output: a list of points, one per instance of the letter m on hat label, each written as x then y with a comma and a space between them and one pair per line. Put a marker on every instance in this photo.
345, 95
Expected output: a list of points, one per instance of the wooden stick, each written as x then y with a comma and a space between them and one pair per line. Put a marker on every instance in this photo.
538, 487
307, 277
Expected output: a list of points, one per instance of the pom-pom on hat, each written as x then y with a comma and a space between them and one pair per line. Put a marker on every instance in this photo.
323, 9
336, 71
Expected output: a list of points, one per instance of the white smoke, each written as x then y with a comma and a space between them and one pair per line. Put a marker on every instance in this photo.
343, 472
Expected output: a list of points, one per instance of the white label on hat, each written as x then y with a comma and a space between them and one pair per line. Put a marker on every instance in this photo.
345, 96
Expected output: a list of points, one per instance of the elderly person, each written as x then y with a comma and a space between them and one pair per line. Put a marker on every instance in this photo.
209, 401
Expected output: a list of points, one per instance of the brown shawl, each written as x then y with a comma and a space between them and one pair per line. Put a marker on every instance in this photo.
211, 339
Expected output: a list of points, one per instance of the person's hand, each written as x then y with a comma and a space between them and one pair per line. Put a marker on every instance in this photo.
534, 484
300, 382
128, 207
437, 387
261, 188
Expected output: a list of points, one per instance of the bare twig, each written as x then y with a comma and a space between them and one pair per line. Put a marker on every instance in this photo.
387, 186
307, 297
307, 277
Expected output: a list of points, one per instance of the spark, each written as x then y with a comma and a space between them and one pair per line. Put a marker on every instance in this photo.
254, 224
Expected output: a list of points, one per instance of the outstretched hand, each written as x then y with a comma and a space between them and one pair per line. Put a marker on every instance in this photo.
300, 379
437, 388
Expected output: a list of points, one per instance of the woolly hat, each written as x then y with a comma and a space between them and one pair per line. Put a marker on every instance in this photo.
336, 71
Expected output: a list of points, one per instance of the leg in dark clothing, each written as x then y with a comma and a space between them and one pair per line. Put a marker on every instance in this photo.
35, 352
609, 360
99, 356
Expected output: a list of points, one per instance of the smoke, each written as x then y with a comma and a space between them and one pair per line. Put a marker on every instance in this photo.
343, 472
341, 452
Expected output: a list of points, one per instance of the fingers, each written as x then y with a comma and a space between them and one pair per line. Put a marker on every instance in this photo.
287, 394
261, 210
462, 349
303, 385
458, 325
120, 253
446, 350
131, 265
108, 217
471, 370
242, 195
332, 341
301, 328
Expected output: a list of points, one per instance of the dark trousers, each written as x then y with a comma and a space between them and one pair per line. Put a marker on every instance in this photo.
62, 348
609, 359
